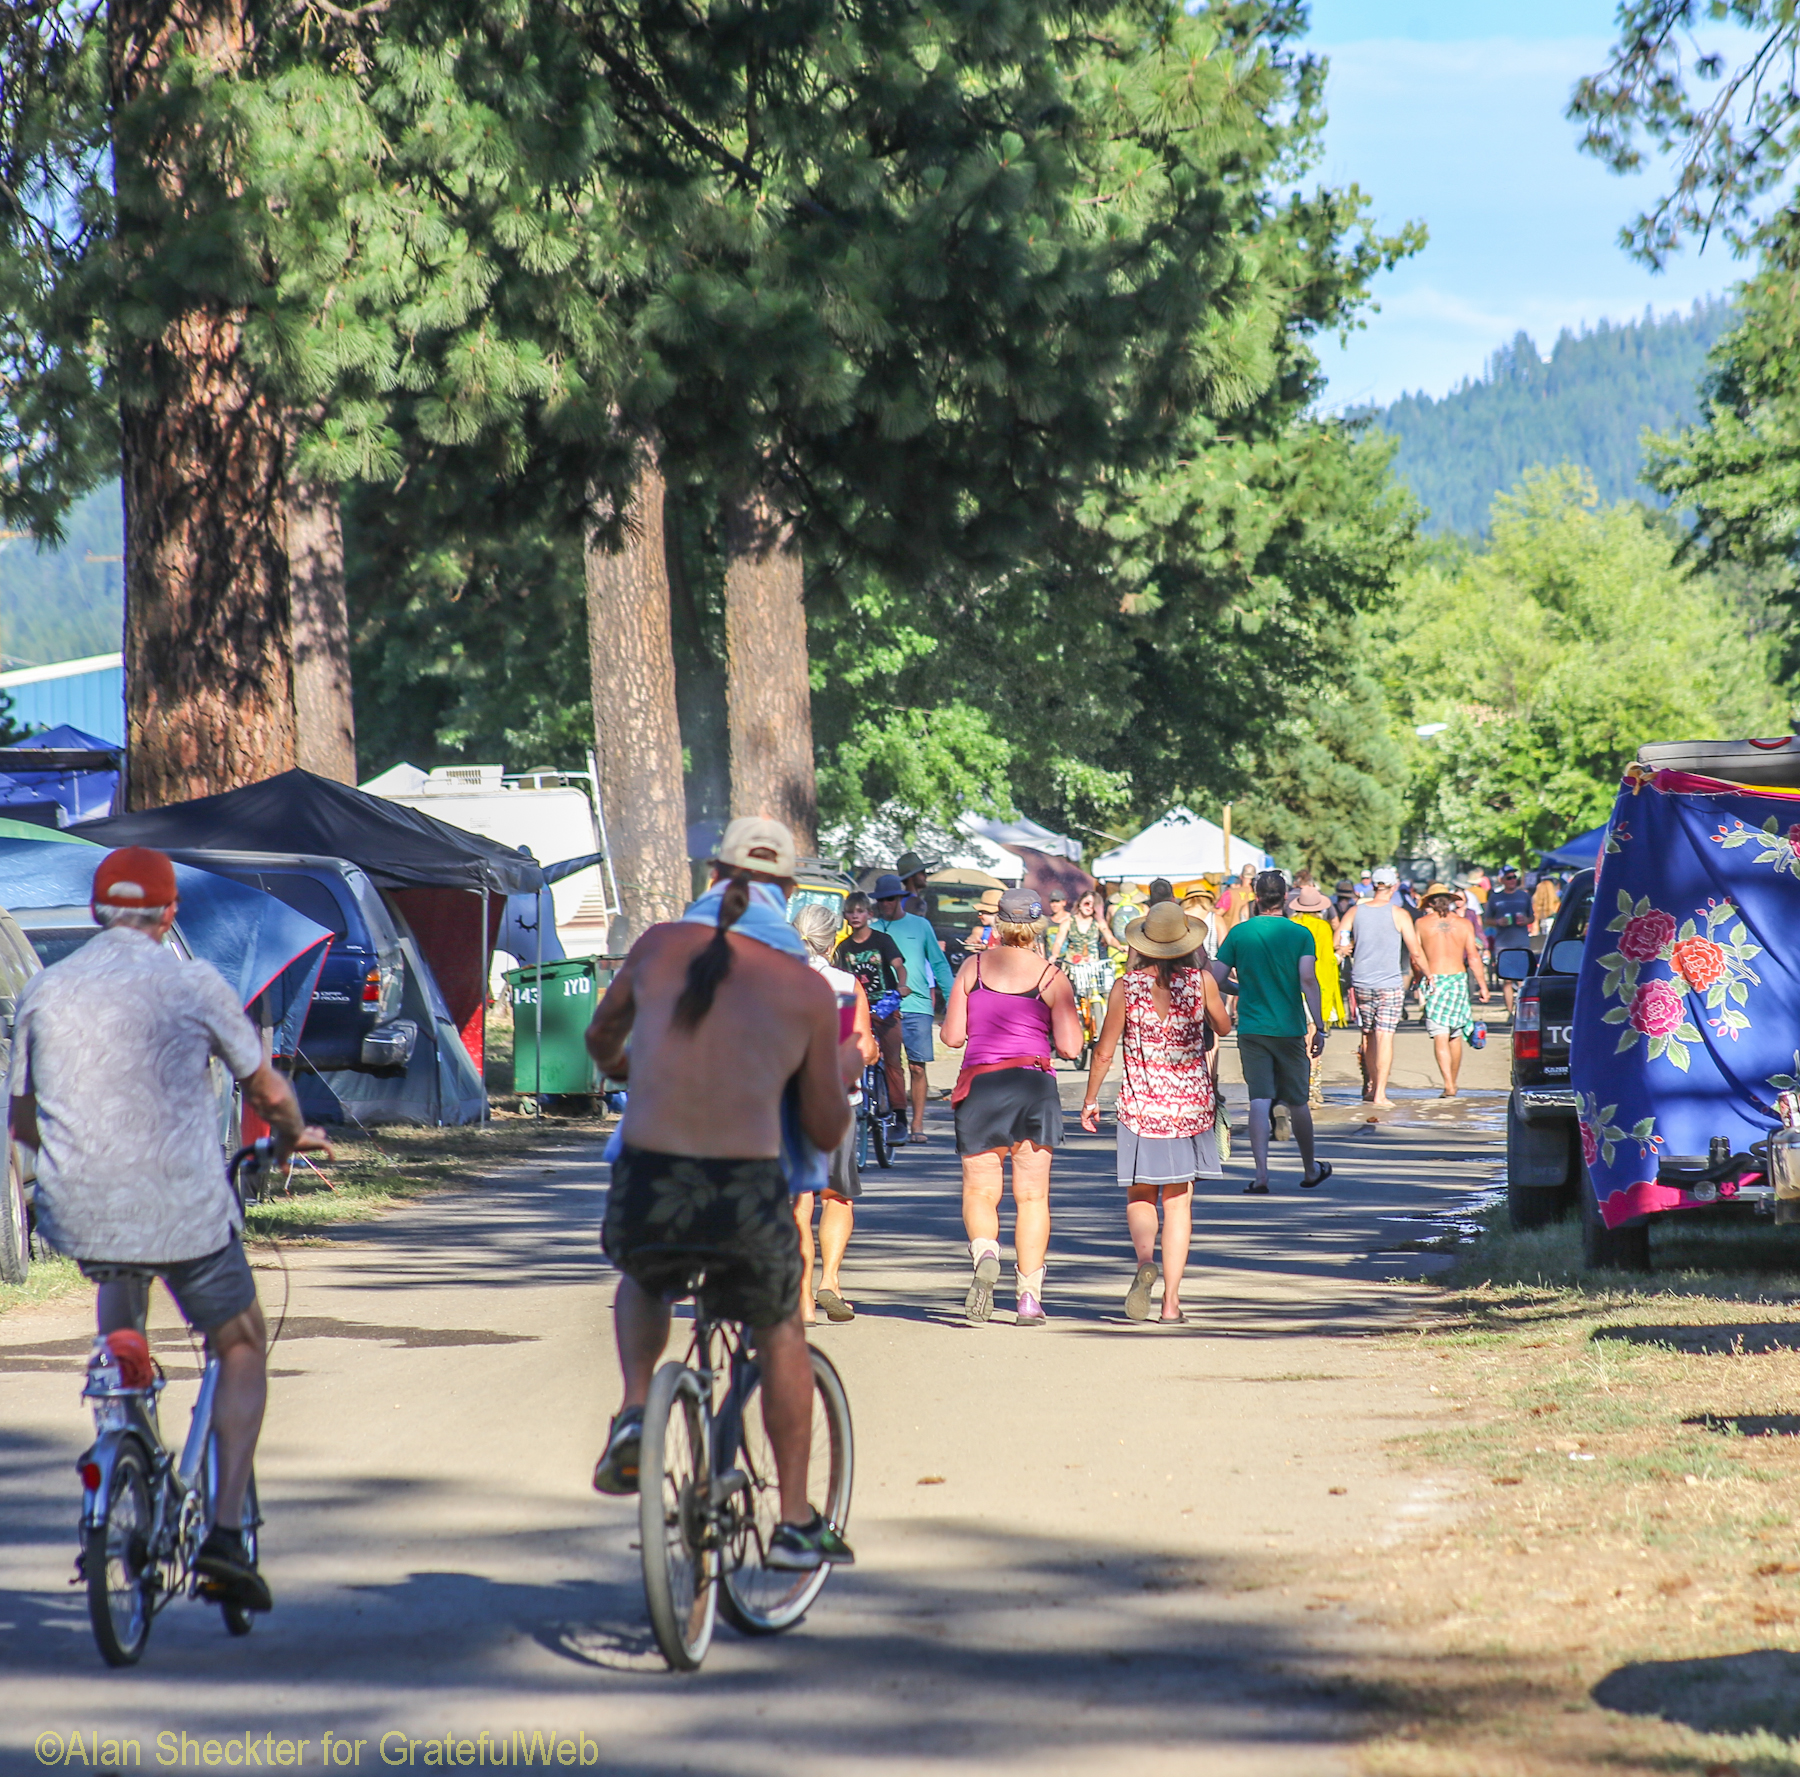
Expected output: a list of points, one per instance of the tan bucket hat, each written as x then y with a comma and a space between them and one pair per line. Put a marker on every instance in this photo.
1438, 888
754, 843
1165, 931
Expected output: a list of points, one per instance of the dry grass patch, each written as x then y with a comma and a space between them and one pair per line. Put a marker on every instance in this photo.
1630, 1457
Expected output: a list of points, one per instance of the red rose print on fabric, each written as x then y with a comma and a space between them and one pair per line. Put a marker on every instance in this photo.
1656, 1009
1645, 936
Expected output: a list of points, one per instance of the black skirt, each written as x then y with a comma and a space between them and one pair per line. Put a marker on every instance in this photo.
1008, 1106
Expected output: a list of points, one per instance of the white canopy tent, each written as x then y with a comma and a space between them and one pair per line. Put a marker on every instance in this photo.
1179, 846
1023, 831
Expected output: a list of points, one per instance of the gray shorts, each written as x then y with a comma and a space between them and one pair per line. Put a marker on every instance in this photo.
1275, 1067
208, 1291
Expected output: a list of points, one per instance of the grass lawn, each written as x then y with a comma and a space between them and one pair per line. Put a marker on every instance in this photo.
1627, 1450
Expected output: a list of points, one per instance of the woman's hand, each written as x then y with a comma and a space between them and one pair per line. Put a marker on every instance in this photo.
1090, 1118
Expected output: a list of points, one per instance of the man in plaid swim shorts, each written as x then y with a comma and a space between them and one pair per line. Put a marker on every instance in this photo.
1377, 935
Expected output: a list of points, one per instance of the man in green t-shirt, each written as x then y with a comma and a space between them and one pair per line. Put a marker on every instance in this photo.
1278, 992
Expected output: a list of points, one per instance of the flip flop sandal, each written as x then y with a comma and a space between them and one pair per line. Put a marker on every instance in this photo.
1312, 1184
836, 1308
1256, 1190
1137, 1298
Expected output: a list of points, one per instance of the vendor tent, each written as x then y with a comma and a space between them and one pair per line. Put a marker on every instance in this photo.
1022, 835
1580, 853
260, 945
78, 783
1181, 845
450, 885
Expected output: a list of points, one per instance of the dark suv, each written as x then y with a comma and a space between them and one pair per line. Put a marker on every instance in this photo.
1543, 1141
354, 1019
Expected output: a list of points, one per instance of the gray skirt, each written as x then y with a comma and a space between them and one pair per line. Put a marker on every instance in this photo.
1167, 1159
846, 1176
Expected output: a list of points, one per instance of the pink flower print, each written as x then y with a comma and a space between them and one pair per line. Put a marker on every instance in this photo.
1643, 939
1657, 1009
1794, 840
1700, 961
1590, 1145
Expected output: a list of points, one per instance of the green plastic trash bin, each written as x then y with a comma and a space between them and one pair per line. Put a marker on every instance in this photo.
571, 990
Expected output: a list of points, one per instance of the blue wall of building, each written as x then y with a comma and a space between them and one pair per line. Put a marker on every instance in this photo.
94, 701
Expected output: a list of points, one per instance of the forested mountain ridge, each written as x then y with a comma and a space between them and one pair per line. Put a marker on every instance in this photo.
68, 602
1587, 403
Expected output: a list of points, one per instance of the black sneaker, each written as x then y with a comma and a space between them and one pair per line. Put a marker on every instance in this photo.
800, 1548
228, 1574
617, 1470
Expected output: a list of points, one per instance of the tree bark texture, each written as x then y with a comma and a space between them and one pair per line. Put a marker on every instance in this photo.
637, 737
768, 691
208, 629
324, 721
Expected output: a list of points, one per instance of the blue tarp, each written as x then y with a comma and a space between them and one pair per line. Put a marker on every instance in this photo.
1578, 853
1687, 1011
249, 937
83, 795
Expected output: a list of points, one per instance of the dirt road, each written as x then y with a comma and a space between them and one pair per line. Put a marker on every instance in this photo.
1105, 1576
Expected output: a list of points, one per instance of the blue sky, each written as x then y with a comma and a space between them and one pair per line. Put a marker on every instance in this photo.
1450, 111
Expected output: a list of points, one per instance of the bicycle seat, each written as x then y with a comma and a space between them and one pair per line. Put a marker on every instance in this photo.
698, 1258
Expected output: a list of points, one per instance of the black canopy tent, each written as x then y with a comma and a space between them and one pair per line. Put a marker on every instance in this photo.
450, 885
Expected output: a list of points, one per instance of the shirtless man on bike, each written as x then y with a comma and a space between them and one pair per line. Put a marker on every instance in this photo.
111, 1084
721, 1013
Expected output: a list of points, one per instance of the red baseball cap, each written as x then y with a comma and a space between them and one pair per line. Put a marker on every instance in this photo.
135, 877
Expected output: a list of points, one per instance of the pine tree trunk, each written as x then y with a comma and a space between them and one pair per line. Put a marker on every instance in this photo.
637, 737
208, 630
324, 721
768, 691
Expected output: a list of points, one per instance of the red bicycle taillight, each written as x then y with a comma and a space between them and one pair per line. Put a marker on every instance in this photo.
90, 1476
372, 987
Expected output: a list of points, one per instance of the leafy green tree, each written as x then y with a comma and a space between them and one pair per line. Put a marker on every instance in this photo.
1330, 794
1571, 638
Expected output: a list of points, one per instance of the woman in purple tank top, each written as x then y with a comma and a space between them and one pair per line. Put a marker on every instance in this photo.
1011, 1013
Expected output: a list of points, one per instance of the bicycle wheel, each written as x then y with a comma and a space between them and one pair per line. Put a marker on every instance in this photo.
121, 1584
762, 1600
239, 1621
881, 1109
674, 1484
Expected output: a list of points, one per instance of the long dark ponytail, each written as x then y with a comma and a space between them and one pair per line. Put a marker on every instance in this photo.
713, 964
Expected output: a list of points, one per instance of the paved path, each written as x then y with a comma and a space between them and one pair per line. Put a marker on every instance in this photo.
1111, 1573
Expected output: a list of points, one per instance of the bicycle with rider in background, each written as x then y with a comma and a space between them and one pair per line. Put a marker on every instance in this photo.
1088, 953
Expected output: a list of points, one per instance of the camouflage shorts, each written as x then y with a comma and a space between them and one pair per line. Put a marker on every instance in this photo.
669, 1215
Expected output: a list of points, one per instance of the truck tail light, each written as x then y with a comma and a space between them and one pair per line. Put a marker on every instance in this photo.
372, 988
1528, 1042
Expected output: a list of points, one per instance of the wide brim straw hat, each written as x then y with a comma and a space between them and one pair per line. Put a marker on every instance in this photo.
1439, 888
1165, 931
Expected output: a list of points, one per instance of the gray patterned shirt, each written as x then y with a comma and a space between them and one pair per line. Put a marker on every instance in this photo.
115, 1042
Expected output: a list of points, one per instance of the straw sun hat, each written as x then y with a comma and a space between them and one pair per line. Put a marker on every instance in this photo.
1165, 931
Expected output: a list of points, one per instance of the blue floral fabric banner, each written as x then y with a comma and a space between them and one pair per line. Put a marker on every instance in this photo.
1687, 1011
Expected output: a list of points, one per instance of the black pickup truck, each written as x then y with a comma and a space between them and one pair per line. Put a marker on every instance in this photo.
1543, 1143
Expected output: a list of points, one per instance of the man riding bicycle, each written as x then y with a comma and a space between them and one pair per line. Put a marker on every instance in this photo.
723, 1016
111, 1082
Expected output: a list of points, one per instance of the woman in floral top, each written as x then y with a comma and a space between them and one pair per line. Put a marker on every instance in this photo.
1162, 1010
